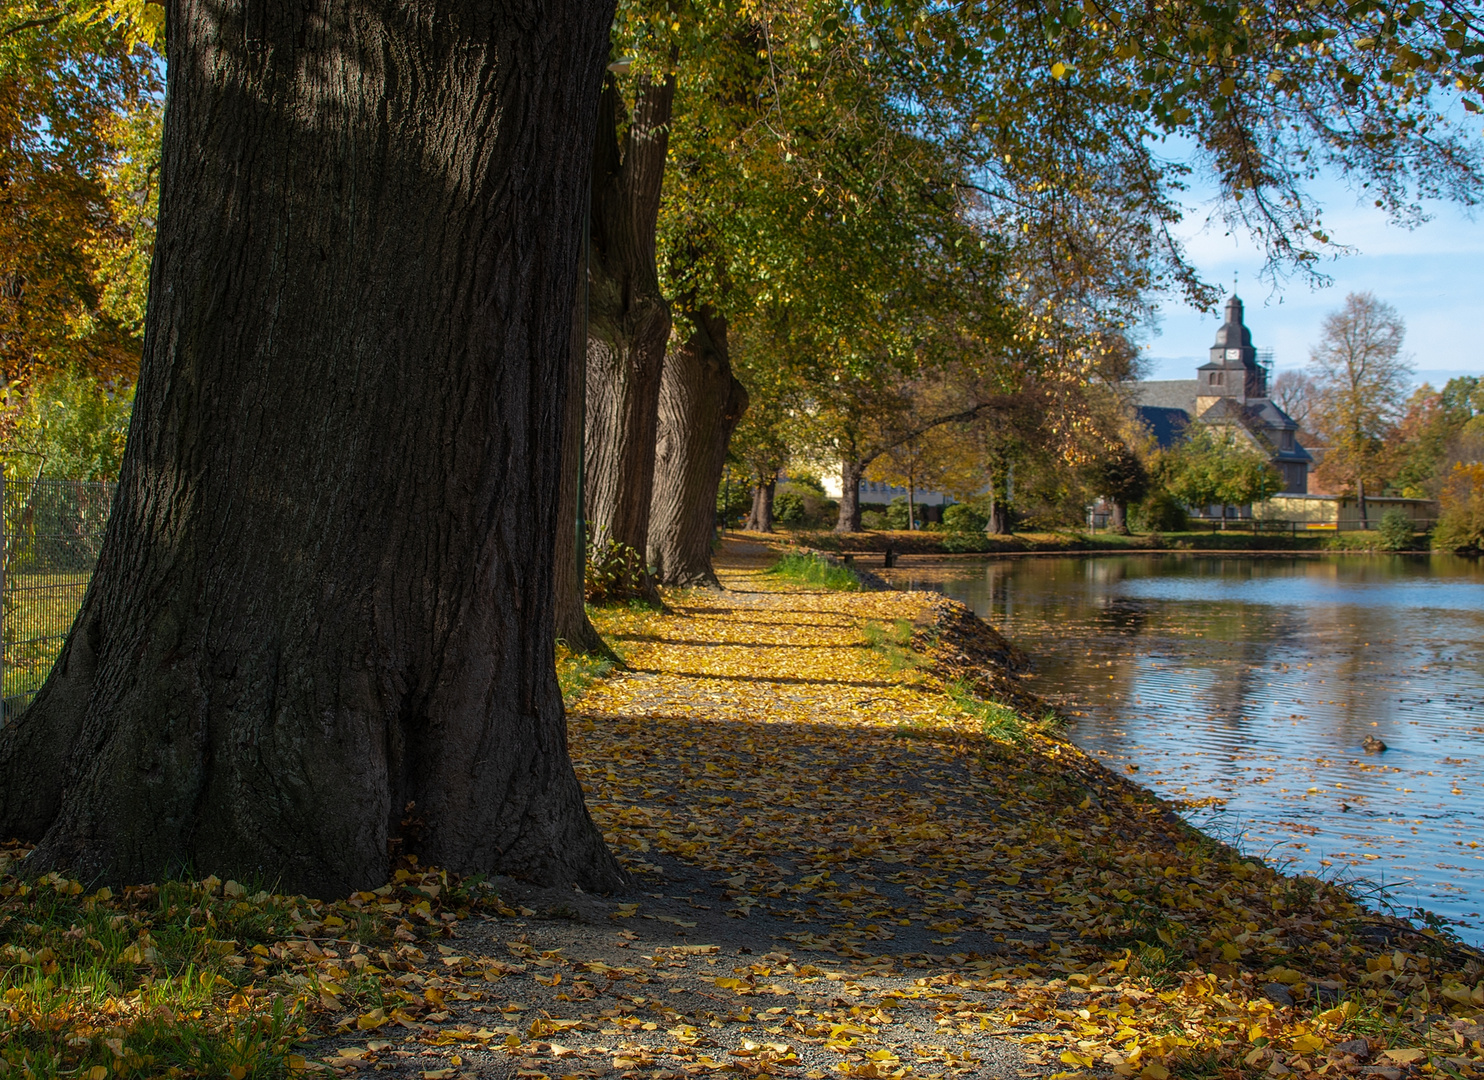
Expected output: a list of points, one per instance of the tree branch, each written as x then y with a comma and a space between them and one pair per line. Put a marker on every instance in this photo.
32, 24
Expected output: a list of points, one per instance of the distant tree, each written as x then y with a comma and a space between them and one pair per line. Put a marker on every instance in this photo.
1461, 520
1418, 448
1293, 392
922, 461
1119, 475
1361, 379
1211, 468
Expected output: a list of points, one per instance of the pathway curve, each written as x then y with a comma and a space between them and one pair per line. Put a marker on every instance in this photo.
837, 874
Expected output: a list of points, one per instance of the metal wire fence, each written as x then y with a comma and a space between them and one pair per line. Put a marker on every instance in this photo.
52, 532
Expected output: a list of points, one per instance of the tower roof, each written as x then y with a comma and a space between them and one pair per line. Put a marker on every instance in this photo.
1233, 332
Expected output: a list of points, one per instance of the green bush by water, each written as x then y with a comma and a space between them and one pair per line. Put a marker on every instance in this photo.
1395, 533
812, 570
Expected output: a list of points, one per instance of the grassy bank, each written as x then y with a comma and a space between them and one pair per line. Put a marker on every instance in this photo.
878, 542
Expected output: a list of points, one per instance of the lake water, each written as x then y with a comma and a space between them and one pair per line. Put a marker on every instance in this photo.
1244, 687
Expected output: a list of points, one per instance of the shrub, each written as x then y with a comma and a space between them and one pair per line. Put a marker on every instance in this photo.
870, 519
896, 513
806, 482
615, 573
957, 542
1395, 532
788, 508
1160, 512
963, 518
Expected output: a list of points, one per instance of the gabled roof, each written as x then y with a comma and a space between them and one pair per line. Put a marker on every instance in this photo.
1166, 425
1262, 420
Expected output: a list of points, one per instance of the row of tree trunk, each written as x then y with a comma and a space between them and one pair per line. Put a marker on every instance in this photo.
660, 408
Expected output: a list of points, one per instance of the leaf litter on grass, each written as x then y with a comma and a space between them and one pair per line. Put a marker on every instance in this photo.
902, 895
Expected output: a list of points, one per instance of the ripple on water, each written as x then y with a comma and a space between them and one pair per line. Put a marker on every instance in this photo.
1246, 686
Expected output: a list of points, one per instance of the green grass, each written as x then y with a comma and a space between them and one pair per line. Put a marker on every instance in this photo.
813, 570
622, 626
893, 642
996, 720
196, 978
576, 671
156, 981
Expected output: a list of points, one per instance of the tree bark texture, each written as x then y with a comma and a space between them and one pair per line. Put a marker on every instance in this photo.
999, 517
320, 629
849, 520
568, 572
700, 404
1118, 519
630, 319
761, 517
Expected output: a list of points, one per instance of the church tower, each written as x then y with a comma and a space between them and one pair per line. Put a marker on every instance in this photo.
1233, 371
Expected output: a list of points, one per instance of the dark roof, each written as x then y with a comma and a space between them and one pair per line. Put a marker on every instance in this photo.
1166, 425
1233, 332
1261, 418
1169, 394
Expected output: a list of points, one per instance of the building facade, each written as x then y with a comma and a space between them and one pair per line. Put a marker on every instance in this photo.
1229, 391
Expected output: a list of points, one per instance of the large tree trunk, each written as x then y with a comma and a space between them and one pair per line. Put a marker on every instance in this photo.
849, 520
569, 569
1118, 520
700, 404
630, 319
320, 629
761, 517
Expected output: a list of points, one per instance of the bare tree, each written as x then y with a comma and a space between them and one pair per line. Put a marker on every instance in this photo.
1361, 380
1294, 393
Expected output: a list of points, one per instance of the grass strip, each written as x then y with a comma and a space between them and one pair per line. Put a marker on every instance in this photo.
806, 569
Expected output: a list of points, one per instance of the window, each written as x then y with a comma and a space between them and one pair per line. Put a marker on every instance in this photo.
1215, 378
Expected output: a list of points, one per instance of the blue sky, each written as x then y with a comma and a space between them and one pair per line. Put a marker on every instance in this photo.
1432, 274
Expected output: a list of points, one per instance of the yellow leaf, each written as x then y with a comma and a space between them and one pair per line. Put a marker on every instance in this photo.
1058, 70
1308, 1044
1155, 1071
373, 1019
1406, 1056
97, 1072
